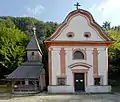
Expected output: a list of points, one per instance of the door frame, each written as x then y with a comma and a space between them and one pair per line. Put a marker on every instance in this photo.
85, 79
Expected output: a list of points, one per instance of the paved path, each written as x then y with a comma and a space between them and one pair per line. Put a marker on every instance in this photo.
67, 98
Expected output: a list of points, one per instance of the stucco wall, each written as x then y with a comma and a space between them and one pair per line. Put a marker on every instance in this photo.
69, 60
103, 64
55, 64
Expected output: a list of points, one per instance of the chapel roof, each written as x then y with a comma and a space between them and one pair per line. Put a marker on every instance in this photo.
28, 70
33, 45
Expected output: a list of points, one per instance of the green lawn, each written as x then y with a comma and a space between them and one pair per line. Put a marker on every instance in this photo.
5, 89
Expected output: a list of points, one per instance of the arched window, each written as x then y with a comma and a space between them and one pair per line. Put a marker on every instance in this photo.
78, 55
32, 56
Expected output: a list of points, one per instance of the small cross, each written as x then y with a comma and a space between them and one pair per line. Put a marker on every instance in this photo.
77, 5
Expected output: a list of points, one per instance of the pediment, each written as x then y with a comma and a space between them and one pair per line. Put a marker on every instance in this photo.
80, 64
79, 25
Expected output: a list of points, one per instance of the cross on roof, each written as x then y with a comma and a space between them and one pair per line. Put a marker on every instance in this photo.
77, 5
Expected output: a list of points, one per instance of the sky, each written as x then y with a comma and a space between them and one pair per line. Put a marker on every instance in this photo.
57, 10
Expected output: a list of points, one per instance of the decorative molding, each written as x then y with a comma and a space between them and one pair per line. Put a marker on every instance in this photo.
81, 50
107, 65
77, 43
79, 70
95, 62
88, 17
50, 65
79, 64
62, 62
61, 77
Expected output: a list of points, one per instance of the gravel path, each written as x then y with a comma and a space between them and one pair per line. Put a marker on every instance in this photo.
67, 98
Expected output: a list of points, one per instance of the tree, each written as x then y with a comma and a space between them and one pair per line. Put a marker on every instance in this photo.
25, 24
40, 30
12, 47
50, 28
114, 54
7, 23
106, 25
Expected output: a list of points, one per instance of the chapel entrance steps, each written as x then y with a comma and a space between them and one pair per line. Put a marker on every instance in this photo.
45, 93
77, 93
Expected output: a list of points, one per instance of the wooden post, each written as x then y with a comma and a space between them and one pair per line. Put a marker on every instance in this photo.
28, 84
12, 86
35, 85
20, 85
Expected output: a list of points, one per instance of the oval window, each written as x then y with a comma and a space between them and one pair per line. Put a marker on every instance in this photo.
87, 34
70, 34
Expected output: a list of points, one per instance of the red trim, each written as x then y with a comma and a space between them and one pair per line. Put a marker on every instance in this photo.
62, 61
73, 79
107, 64
77, 43
50, 65
80, 64
79, 70
95, 62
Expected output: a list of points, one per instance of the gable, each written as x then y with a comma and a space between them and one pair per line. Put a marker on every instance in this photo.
79, 26
78, 23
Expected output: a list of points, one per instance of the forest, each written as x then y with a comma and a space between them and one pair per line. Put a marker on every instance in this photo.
15, 33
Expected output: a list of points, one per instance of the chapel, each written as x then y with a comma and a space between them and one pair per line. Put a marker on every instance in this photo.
29, 77
78, 55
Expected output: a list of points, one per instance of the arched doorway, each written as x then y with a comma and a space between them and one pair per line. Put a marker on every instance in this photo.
80, 75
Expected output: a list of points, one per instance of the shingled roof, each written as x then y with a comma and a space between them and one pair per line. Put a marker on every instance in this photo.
28, 70
34, 44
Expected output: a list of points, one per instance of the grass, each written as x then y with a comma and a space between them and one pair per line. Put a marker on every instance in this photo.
5, 89
116, 89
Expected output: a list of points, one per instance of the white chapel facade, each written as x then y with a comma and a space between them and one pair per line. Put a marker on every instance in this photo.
78, 55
